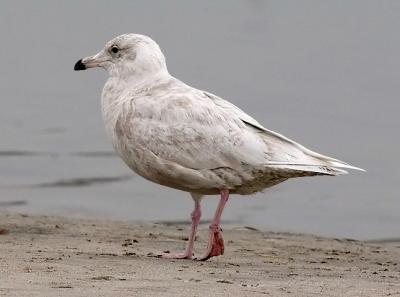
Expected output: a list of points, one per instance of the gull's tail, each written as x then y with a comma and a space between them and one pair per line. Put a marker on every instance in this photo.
327, 166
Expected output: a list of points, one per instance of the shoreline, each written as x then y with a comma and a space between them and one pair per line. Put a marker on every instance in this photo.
48, 256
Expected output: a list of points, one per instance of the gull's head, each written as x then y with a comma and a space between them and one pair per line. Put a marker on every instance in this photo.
128, 55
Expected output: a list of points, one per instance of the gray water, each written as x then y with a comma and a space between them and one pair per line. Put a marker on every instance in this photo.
325, 73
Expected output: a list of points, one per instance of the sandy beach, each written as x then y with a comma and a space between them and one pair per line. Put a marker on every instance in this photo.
54, 256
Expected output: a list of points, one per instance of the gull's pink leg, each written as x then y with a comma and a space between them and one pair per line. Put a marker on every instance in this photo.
195, 215
215, 241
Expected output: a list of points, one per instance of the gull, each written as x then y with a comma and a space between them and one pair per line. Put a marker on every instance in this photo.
191, 140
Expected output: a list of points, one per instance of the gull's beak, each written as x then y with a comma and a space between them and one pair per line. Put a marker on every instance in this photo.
79, 66
90, 62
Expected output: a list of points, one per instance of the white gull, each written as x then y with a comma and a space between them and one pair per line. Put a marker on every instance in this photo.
191, 140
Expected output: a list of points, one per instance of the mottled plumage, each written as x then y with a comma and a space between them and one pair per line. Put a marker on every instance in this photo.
188, 139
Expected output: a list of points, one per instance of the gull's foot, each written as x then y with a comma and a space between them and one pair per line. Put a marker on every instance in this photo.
184, 255
215, 244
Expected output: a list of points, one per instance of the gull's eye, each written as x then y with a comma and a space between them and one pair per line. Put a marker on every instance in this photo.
115, 49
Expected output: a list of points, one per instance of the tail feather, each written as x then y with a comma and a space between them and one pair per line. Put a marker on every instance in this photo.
340, 164
311, 168
328, 166
331, 164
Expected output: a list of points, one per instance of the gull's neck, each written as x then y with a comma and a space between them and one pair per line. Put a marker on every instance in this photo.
119, 90
116, 86
144, 79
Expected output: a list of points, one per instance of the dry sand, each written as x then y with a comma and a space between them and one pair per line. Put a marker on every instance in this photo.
52, 256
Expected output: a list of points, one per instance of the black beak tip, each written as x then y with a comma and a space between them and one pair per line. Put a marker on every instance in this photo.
79, 66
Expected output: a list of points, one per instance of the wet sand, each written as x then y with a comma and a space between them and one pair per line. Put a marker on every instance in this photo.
54, 256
